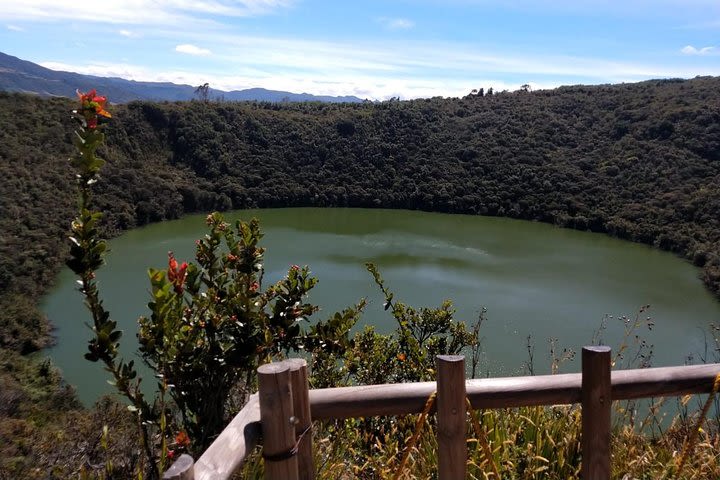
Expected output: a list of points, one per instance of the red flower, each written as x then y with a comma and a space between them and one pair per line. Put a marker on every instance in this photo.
182, 439
86, 97
92, 105
171, 454
254, 287
176, 275
93, 102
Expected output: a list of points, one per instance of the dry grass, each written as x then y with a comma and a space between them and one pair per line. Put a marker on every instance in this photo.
528, 443
532, 442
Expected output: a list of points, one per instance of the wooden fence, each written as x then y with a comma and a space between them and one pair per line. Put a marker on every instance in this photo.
284, 407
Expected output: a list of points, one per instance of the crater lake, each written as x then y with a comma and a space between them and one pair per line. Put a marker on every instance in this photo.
536, 282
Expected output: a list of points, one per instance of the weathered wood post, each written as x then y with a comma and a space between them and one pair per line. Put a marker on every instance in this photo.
277, 420
181, 469
596, 402
451, 417
303, 425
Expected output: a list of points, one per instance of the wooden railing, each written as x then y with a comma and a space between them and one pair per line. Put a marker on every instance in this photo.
284, 408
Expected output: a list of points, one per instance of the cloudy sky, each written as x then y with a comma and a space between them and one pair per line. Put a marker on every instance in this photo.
369, 48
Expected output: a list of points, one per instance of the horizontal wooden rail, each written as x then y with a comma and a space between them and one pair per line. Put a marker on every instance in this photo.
663, 381
409, 398
233, 445
239, 438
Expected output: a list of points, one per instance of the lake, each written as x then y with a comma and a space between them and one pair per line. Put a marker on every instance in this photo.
534, 280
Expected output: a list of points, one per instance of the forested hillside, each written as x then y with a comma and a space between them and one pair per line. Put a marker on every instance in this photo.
637, 161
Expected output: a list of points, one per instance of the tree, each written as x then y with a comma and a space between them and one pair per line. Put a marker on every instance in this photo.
203, 91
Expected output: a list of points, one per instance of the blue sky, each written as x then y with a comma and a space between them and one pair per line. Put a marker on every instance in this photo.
369, 48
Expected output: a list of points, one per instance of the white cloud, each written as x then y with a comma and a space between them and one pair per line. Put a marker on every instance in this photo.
240, 8
120, 70
15, 28
380, 73
428, 60
372, 68
127, 33
139, 12
690, 50
377, 87
396, 23
192, 50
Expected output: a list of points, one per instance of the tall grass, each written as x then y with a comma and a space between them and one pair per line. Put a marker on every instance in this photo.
531, 443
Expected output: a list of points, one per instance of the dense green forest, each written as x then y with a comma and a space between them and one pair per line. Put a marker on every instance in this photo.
636, 161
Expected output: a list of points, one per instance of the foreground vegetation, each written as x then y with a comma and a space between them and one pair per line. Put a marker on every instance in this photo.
640, 162
528, 443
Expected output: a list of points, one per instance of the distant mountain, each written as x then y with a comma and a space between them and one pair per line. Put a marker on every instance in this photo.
17, 75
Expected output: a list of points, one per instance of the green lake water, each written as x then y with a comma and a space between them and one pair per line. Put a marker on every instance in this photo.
533, 279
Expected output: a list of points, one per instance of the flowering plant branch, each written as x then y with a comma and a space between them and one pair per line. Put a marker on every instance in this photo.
87, 252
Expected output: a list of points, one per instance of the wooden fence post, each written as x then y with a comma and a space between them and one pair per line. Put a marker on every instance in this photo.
181, 469
276, 418
303, 425
451, 417
596, 400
